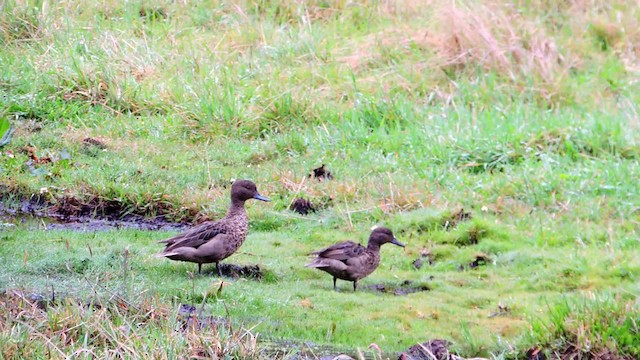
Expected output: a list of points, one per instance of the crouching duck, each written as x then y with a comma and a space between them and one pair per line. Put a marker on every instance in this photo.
214, 241
350, 261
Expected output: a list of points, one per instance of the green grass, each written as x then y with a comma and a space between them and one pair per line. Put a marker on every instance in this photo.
524, 114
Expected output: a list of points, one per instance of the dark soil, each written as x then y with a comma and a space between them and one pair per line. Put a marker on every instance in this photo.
302, 206
404, 288
436, 349
321, 173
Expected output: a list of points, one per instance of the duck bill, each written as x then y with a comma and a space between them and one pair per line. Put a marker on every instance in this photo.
261, 198
396, 242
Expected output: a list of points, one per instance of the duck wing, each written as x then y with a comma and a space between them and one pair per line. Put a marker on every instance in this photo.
195, 237
341, 251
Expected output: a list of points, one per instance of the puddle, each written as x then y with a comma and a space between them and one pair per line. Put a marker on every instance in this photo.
404, 288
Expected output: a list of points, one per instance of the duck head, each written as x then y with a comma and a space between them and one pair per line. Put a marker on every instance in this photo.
243, 190
382, 235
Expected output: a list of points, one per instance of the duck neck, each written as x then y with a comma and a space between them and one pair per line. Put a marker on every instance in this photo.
237, 208
373, 246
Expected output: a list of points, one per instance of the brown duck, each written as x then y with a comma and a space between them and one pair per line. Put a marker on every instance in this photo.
350, 261
214, 241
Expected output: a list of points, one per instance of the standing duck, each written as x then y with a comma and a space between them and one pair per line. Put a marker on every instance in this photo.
214, 241
350, 261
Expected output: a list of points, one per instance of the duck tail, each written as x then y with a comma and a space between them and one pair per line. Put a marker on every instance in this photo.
165, 254
317, 262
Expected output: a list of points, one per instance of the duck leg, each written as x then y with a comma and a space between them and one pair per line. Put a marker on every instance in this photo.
355, 285
218, 267
199, 268
334, 283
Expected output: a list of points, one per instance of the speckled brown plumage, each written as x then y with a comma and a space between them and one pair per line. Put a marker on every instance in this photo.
214, 241
351, 261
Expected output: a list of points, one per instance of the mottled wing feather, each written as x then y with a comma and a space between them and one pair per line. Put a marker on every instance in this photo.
341, 251
195, 237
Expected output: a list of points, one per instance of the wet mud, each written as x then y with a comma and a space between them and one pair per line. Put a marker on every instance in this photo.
32, 213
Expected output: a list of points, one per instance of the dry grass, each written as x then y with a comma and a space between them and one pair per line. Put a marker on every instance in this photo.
113, 329
495, 39
525, 45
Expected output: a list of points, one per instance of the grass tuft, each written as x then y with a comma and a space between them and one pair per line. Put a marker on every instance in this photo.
597, 326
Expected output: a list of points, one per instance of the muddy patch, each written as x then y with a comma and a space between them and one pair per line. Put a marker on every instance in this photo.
36, 214
405, 288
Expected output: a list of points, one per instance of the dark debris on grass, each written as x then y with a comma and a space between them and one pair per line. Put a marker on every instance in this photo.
321, 173
302, 206
404, 288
